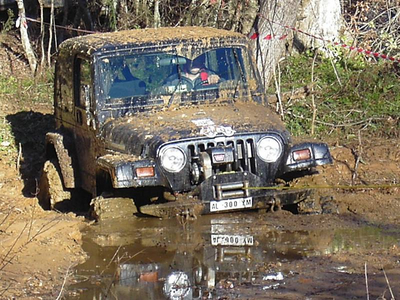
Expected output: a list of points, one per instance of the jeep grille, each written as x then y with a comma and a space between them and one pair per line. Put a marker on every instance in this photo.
244, 152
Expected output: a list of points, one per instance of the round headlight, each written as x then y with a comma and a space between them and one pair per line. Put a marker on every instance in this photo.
269, 149
173, 159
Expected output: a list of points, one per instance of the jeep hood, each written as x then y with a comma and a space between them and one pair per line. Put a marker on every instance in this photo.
146, 131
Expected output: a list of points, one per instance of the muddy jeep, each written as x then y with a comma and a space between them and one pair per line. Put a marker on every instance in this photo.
126, 133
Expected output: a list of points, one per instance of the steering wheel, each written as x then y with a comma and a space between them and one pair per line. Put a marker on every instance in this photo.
189, 84
199, 86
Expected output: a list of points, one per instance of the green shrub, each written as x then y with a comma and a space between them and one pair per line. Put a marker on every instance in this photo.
350, 94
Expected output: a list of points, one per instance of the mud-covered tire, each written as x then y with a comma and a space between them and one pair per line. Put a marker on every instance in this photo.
112, 208
311, 205
51, 189
318, 204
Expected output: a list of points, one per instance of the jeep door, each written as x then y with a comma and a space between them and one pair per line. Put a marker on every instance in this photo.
85, 125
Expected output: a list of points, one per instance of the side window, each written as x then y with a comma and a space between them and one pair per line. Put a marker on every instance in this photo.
225, 62
64, 98
82, 81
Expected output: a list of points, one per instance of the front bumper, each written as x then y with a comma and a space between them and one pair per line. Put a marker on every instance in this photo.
226, 193
243, 190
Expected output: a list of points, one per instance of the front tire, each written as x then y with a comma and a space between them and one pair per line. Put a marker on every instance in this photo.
51, 188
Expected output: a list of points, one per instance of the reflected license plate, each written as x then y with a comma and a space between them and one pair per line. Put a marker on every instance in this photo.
231, 240
231, 204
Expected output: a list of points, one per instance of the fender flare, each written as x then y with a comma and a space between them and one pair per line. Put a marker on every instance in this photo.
63, 156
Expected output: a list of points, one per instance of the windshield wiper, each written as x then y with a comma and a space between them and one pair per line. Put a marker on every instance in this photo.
242, 75
171, 99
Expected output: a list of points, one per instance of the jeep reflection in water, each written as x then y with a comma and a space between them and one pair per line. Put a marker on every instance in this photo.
173, 120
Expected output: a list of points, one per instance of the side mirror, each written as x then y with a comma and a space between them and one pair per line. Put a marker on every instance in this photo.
85, 95
86, 100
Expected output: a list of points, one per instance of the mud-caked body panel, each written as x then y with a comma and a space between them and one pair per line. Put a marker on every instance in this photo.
57, 148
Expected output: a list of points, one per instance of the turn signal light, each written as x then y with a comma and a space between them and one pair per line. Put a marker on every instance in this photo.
303, 154
145, 172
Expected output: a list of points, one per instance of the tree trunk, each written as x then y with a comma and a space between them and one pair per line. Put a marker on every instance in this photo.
50, 33
320, 18
157, 18
43, 59
26, 44
273, 14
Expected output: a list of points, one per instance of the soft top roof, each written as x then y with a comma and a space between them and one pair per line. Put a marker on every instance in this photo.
151, 36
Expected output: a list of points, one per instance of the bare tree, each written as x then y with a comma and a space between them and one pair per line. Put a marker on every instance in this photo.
26, 44
157, 18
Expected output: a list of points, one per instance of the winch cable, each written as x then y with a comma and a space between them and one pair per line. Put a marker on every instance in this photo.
340, 186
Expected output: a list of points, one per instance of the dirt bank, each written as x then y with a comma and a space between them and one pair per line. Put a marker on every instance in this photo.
37, 247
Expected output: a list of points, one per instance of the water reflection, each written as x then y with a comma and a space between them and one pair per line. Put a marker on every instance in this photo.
162, 259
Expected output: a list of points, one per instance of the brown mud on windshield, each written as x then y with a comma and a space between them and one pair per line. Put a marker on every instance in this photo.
153, 35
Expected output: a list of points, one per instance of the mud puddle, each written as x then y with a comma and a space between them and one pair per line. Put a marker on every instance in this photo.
206, 258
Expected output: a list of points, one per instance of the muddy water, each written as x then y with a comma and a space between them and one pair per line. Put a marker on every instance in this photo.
173, 259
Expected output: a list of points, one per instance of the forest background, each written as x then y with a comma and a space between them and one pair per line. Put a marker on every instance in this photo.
317, 85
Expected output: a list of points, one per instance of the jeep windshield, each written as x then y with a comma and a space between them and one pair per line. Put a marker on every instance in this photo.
139, 80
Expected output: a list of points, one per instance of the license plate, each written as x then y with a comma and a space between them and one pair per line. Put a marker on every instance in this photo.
231, 204
231, 240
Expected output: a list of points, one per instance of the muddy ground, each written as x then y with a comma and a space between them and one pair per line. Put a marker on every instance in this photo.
40, 248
